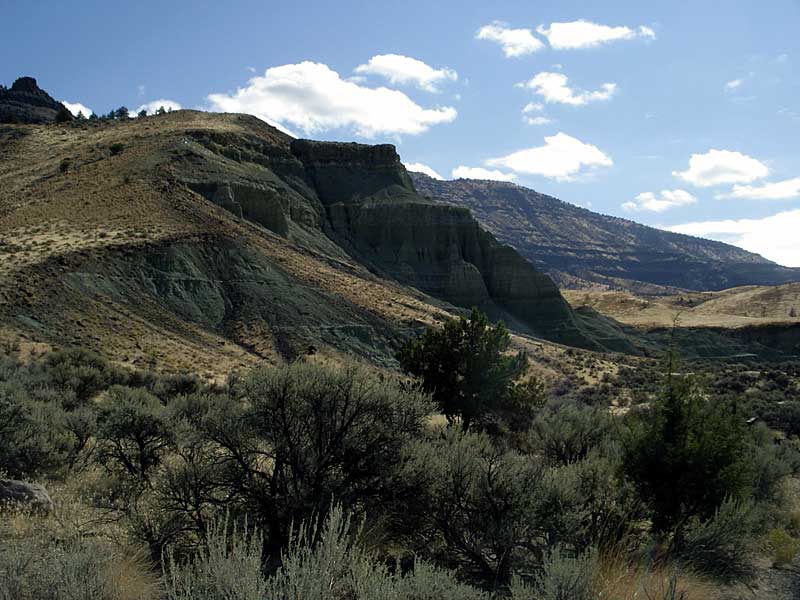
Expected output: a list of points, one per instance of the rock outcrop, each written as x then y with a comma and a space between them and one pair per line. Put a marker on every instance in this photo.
26, 102
28, 496
362, 199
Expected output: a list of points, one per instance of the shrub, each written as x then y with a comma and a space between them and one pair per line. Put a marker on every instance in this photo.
32, 440
116, 148
227, 567
73, 569
295, 437
565, 433
474, 508
464, 366
324, 561
133, 432
722, 546
784, 548
563, 577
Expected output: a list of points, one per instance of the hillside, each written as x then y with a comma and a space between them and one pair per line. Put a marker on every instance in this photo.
581, 249
733, 308
209, 241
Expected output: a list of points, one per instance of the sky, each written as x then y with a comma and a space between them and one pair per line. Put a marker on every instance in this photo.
683, 115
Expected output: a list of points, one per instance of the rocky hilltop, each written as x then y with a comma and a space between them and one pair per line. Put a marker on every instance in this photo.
26, 102
208, 241
581, 249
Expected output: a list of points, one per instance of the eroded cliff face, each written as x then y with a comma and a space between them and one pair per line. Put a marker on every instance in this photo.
362, 199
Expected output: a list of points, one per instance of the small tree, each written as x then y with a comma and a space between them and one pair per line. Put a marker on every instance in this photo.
688, 454
142, 113
121, 113
161, 111
793, 313
133, 432
464, 366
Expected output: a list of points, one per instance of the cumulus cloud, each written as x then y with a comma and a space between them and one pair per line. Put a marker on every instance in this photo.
77, 107
462, 172
399, 69
716, 167
422, 168
514, 42
779, 190
774, 237
553, 88
585, 34
561, 157
314, 98
659, 203
152, 107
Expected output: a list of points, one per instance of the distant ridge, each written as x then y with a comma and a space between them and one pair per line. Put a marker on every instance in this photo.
582, 249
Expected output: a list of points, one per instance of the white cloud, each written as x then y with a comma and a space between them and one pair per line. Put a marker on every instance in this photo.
733, 84
398, 69
722, 166
529, 109
561, 157
536, 120
77, 107
422, 168
774, 237
514, 42
462, 172
585, 34
779, 190
553, 88
314, 98
152, 107
667, 199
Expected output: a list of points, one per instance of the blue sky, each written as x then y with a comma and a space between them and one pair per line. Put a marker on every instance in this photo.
675, 114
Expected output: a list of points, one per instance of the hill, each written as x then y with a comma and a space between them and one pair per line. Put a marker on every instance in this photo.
733, 308
206, 241
581, 249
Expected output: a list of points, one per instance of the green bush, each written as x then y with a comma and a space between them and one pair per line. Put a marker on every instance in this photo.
32, 438
474, 508
567, 432
293, 438
466, 369
687, 455
133, 432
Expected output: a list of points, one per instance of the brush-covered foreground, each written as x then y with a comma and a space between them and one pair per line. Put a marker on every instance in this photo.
314, 481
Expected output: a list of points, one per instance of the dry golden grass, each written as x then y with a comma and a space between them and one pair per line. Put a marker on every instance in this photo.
736, 307
619, 580
131, 577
